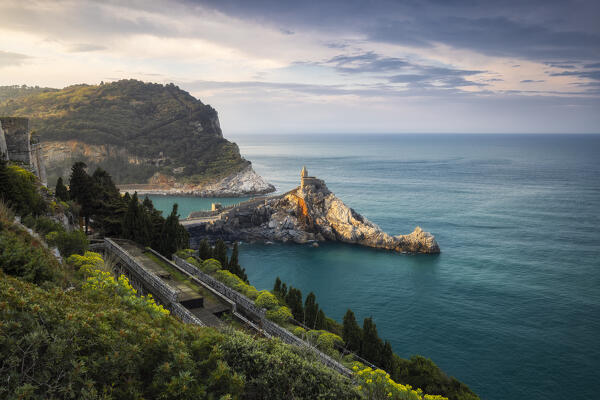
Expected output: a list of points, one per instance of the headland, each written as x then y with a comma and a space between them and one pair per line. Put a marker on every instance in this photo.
310, 213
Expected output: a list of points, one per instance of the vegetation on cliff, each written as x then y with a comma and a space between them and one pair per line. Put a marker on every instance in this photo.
71, 330
110, 214
162, 125
99, 340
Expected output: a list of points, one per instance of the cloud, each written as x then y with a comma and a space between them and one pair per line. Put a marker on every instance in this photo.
536, 30
366, 62
85, 47
399, 70
532, 81
8, 59
580, 74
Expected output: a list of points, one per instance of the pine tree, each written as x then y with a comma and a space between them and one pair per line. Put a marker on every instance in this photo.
204, 251
351, 332
311, 309
371, 344
220, 253
61, 190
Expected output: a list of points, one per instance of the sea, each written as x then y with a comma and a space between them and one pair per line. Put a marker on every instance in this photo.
511, 306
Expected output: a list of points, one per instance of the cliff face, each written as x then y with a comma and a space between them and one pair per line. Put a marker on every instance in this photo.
134, 130
307, 214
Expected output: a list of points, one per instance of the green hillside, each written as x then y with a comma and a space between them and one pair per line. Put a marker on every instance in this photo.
163, 126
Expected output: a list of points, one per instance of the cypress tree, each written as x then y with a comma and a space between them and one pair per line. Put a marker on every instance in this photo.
284, 290
131, 218
371, 344
311, 309
80, 190
351, 332
108, 207
294, 301
204, 251
61, 190
320, 322
387, 358
220, 253
277, 287
234, 265
173, 235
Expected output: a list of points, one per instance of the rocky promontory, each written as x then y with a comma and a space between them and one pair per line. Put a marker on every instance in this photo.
244, 183
309, 213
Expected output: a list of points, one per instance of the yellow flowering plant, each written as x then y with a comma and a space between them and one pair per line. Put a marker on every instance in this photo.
101, 282
377, 385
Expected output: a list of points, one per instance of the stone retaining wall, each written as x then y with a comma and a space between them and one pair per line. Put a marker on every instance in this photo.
157, 286
242, 302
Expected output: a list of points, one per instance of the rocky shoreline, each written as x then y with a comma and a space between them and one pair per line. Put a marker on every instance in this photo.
242, 184
310, 213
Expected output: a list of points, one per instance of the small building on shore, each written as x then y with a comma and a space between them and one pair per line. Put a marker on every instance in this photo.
306, 180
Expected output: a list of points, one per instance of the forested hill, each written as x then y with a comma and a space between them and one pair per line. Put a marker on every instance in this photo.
131, 128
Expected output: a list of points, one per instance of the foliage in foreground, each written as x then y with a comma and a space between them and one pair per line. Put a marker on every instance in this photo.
101, 341
19, 188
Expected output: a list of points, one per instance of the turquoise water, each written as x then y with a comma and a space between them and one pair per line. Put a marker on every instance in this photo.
512, 305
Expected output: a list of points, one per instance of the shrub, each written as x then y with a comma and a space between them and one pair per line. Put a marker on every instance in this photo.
19, 188
68, 243
377, 385
193, 261
299, 331
277, 371
20, 257
279, 315
45, 225
28, 221
97, 343
88, 260
249, 291
210, 266
228, 278
185, 253
266, 300
7, 215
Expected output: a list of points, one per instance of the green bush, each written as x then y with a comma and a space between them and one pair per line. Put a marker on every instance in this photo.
279, 315
299, 331
210, 266
185, 253
266, 300
45, 225
92, 344
74, 242
19, 188
277, 371
28, 221
24, 257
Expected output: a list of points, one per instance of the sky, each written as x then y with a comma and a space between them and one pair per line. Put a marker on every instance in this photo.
328, 66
